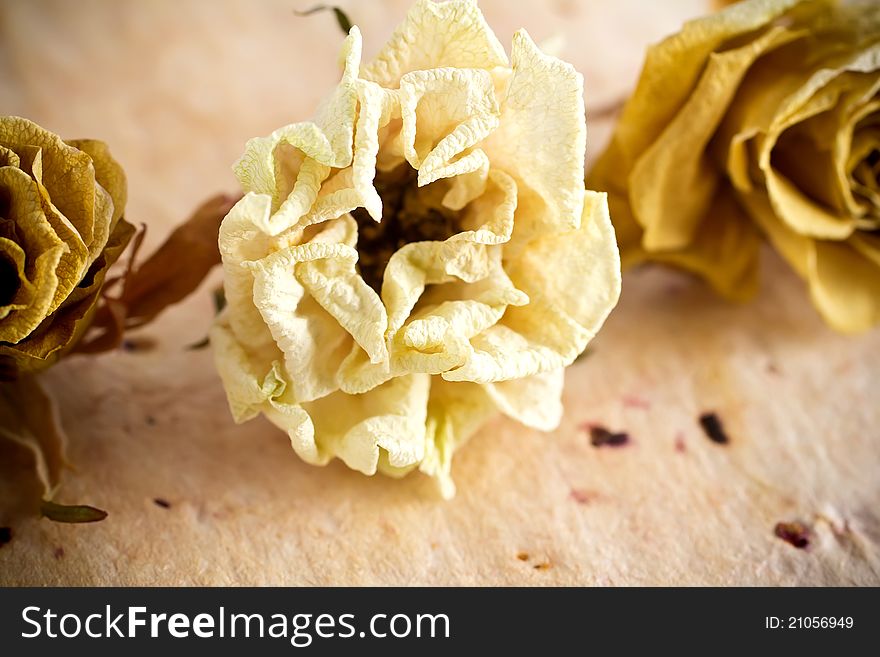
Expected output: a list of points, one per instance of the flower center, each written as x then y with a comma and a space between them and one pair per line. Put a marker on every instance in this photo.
409, 214
866, 177
9, 280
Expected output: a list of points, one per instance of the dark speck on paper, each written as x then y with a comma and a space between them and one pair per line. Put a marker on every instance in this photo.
634, 401
712, 427
601, 437
5, 535
138, 344
793, 533
582, 496
58, 552
165, 504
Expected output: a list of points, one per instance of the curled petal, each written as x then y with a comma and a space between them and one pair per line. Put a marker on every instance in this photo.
390, 417
541, 138
436, 35
559, 320
844, 285
39, 280
317, 146
445, 112
518, 399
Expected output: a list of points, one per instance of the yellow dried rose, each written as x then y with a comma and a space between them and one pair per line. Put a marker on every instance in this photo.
61, 228
764, 117
418, 256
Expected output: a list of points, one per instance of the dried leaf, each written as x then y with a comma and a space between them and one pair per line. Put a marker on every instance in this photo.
168, 276
218, 296
74, 513
29, 417
201, 344
178, 266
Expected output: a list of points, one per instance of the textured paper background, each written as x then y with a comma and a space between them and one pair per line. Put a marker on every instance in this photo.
176, 88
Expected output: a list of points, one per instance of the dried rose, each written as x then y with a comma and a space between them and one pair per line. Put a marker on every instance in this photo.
61, 228
762, 117
419, 255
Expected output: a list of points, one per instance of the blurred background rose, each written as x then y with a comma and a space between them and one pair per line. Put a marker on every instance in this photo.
763, 117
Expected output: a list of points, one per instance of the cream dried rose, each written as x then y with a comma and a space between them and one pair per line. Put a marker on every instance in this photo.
420, 255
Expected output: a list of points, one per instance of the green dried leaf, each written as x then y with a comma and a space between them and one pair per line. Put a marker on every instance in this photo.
74, 513
219, 296
201, 344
